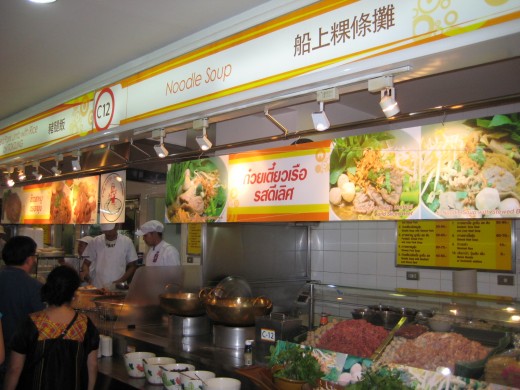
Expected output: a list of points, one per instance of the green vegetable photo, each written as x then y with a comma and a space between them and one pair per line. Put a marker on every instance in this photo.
196, 191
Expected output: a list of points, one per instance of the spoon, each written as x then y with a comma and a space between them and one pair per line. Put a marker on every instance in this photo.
179, 371
193, 379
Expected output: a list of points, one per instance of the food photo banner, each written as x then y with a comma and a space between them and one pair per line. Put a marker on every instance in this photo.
455, 170
60, 202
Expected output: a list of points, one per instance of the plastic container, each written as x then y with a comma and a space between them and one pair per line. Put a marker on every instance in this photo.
248, 353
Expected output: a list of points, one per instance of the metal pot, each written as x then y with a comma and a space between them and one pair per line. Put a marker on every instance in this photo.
110, 306
236, 311
182, 304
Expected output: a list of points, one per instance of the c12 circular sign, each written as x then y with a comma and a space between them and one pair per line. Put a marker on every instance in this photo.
104, 109
112, 197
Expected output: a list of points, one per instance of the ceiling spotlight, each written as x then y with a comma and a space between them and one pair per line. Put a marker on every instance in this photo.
161, 149
56, 169
385, 85
320, 120
10, 181
76, 165
21, 173
36, 173
388, 103
202, 140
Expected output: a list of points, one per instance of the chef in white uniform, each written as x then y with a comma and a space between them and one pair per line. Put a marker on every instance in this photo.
160, 253
113, 256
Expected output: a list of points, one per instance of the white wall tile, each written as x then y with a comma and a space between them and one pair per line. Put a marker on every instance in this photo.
367, 263
349, 240
316, 260
332, 261
350, 262
317, 240
332, 240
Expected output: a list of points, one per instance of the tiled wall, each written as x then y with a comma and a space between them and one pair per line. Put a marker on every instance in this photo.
362, 254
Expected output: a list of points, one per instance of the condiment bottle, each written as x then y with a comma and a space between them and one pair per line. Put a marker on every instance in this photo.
248, 353
324, 320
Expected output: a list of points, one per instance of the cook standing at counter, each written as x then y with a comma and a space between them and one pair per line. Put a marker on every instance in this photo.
114, 257
160, 253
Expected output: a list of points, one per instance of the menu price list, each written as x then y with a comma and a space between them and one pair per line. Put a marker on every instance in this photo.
475, 244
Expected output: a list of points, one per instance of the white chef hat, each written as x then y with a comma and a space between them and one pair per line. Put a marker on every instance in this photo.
150, 226
107, 226
86, 239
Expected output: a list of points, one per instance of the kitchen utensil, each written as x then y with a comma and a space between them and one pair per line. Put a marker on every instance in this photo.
236, 311
232, 287
194, 380
182, 304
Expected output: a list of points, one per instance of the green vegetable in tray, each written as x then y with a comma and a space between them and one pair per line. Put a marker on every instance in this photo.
381, 379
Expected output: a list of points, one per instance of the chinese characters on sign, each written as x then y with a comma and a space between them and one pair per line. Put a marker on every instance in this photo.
342, 31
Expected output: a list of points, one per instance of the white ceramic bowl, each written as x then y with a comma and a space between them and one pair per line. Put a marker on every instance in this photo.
152, 368
134, 363
172, 373
194, 380
222, 383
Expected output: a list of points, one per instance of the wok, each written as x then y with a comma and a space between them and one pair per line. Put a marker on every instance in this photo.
110, 305
182, 304
236, 311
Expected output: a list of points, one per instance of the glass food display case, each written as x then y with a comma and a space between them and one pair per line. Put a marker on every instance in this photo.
471, 310
421, 334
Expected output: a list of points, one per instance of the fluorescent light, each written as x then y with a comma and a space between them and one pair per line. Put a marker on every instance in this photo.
42, 1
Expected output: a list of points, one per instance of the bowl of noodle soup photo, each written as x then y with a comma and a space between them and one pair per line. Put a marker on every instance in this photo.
374, 176
470, 168
196, 191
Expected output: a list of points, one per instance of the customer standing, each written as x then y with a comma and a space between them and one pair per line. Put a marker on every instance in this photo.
2, 345
2, 240
114, 257
160, 253
19, 292
55, 348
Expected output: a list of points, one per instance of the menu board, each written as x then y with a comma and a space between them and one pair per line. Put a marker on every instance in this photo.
459, 244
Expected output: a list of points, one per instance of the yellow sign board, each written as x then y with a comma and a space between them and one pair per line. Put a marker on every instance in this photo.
459, 244
194, 238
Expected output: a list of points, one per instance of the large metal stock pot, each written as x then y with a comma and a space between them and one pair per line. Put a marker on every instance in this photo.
238, 311
184, 304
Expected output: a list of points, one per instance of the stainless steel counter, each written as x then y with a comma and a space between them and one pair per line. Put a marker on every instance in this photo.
196, 350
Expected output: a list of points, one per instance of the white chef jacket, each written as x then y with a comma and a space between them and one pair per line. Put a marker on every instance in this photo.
109, 258
163, 254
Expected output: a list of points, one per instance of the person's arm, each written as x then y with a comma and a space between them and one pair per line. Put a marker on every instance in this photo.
84, 274
130, 271
12, 376
92, 367
2, 345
